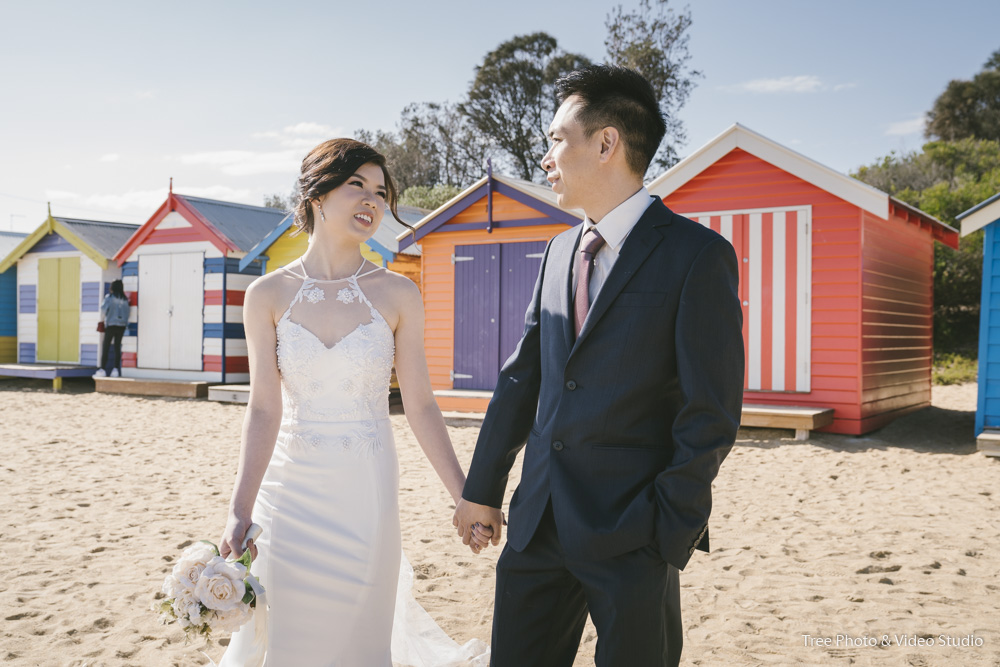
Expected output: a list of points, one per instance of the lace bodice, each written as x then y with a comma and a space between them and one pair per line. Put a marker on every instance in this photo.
345, 382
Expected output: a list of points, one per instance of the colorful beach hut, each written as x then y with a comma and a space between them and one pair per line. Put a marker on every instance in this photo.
282, 245
63, 269
986, 216
481, 254
183, 272
836, 278
8, 299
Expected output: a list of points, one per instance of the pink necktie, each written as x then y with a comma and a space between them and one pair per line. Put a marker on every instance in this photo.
589, 245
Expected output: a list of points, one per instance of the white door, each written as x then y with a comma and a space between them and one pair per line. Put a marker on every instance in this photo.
187, 295
171, 300
153, 348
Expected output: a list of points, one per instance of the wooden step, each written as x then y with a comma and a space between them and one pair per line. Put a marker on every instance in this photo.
229, 393
988, 442
145, 387
801, 418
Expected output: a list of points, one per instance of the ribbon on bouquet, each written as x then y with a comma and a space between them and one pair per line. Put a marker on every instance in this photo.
257, 651
260, 608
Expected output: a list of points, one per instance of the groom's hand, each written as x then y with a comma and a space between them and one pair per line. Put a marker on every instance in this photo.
467, 514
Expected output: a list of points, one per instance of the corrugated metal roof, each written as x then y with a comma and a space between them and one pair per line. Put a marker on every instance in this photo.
106, 238
243, 224
9, 241
390, 228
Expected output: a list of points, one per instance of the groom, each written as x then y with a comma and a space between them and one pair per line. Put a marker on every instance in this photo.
627, 386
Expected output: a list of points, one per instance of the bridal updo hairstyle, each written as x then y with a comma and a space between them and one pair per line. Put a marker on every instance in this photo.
328, 166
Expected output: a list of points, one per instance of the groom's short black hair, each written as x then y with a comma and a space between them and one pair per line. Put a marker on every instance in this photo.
622, 98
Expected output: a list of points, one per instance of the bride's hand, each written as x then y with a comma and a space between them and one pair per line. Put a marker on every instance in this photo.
232, 538
481, 536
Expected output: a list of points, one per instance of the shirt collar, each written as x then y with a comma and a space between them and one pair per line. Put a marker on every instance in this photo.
617, 224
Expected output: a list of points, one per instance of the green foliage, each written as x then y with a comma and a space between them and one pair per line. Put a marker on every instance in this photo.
428, 197
953, 368
433, 144
655, 44
407, 156
282, 202
512, 98
249, 597
211, 544
944, 179
969, 109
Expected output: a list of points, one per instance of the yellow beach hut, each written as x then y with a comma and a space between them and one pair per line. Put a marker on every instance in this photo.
63, 269
283, 245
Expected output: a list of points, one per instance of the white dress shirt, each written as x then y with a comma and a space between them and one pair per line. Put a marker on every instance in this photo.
614, 228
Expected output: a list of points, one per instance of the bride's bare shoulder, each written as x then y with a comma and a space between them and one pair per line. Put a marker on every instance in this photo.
398, 287
273, 289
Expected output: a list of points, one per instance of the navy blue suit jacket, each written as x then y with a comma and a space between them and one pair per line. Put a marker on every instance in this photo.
625, 426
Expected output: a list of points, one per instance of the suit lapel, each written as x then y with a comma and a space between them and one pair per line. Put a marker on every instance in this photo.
640, 242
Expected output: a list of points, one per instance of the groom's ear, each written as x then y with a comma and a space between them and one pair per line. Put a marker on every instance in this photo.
611, 143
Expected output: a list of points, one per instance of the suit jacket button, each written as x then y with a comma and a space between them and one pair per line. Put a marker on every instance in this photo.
571, 385
557, 445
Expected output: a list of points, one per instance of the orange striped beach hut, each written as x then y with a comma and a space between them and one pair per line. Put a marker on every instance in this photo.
480, 256
836, 278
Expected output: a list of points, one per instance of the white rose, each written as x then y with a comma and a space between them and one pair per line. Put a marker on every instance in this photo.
192, 562
172, 586
221, 585
232, 620
187, 608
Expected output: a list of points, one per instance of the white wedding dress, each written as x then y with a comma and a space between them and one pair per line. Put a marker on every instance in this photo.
330, 556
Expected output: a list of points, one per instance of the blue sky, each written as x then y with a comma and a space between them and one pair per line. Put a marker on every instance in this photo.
102, 102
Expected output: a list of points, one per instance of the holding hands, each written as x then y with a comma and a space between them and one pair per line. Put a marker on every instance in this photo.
478, 525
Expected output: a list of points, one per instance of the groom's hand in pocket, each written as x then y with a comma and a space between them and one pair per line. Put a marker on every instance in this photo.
490, 520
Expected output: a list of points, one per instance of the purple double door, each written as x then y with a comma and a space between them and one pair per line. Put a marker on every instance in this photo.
493, 286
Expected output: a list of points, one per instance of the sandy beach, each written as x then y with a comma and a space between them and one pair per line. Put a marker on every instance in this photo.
821, 548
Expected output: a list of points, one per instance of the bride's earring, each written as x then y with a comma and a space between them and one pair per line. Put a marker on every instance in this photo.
321, 216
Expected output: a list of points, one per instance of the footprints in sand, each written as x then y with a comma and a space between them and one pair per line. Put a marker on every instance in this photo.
22, 615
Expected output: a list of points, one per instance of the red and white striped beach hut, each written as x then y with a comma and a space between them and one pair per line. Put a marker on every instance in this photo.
836, 278
182, 272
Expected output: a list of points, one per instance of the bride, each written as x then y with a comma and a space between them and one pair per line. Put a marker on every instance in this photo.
317, 468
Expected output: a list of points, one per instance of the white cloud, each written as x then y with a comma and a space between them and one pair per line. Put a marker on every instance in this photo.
60, 195
145, 94
223, 192
313, 130
301, 135
302, 143
242, 163
806, 83
110, 157
146, 200
784, 84
903, 128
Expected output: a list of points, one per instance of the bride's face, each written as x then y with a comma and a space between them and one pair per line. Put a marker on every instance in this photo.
356, 207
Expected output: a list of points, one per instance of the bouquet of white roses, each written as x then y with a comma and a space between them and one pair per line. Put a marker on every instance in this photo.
207, 593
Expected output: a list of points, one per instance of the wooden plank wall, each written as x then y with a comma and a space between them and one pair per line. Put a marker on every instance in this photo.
896, 319
988, 401
8, 315
437, 280
741, 181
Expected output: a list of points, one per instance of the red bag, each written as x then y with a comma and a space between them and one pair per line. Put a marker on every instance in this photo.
100, 327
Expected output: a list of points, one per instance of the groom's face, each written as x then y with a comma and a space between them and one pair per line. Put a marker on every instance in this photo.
573, 158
